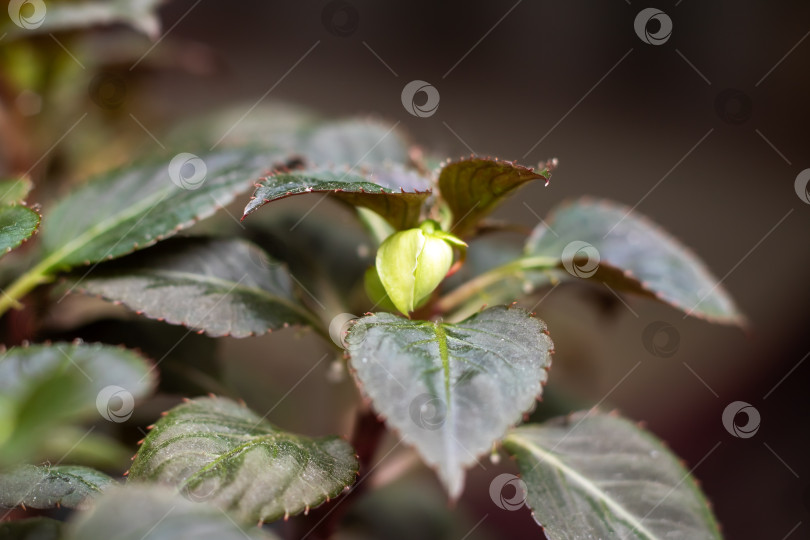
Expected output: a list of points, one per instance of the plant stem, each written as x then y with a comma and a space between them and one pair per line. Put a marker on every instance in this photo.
375, 225
461, 294
38, 275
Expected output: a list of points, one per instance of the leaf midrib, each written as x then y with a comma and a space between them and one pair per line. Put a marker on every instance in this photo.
583, 482
53, 260
230, 285
233, 452
79, 479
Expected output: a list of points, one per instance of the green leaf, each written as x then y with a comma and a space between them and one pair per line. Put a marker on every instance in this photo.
44, 386
15, 191
48, 487
222, 287
17, 224
401, 209
474, 187
594, 475
634, 255
133, 207
451, 389
37, 528
156, 513
216, 450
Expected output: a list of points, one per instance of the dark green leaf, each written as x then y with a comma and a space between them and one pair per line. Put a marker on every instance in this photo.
47, 487
15, 191
326, 252
17, 224
474, 187
216, 450
188, 361
222, 287
634, 255
37, 528
406, 509
451, 390
134, 207
401, 209
156, 513
594, 475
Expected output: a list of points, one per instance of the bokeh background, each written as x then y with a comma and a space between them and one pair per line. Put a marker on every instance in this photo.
705, 133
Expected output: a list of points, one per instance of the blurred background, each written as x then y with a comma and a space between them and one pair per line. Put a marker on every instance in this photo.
703, 131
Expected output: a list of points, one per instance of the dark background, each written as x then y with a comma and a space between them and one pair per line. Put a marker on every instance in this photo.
629, 121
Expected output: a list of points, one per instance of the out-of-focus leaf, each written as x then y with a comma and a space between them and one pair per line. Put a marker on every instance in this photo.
225, 287
633, 254
43, 386
135, 206
594, 475
396, 176
451, 389
327, 253
44, 486
363, 143
408, 508
273, 124
37, 528
216, 450
90, 448
156, 513
17, 224
474, 187
188, 361
45, 17
400, 208
101, 366
15, 191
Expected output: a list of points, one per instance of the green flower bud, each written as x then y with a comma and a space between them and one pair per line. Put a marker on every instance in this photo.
412, 263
